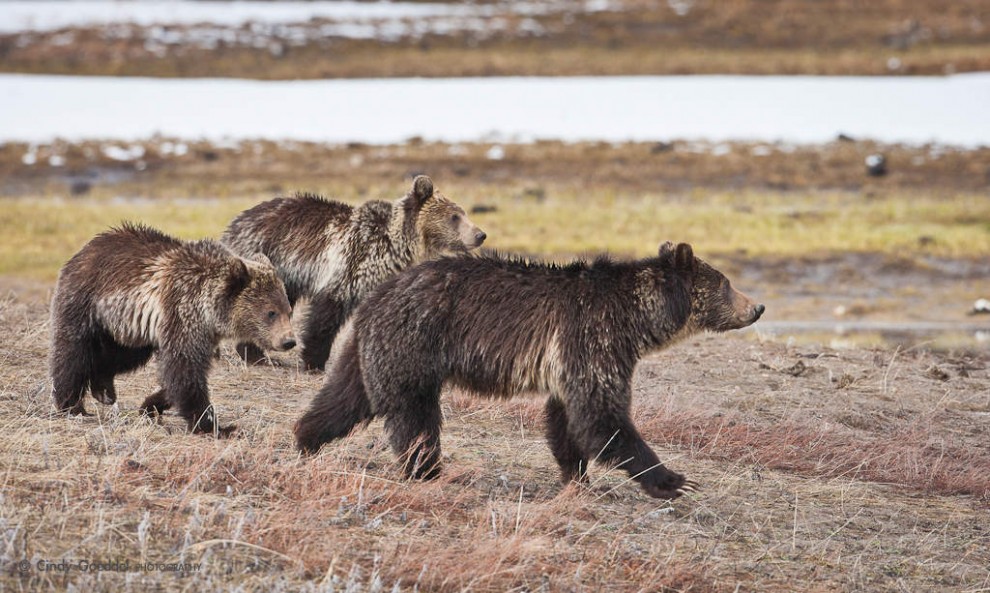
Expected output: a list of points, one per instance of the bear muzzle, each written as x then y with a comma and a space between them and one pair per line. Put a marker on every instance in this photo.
746, 311
758, 312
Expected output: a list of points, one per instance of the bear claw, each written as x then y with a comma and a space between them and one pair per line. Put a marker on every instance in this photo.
690, 486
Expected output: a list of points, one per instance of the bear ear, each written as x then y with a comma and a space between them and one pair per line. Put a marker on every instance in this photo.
684, 258
666, 249
261, 258
422, 190
238, 278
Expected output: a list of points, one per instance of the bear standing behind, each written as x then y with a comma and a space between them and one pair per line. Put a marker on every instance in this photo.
501, 326
134, 291
334, 254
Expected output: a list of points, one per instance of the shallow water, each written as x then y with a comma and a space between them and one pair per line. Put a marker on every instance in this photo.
795, 109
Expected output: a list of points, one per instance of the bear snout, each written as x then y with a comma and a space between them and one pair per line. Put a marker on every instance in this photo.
745, 310
758, 311
751, 316
287, 344
479, 238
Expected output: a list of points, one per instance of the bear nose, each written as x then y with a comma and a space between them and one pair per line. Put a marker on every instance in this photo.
480, 237
288, 344
758, 311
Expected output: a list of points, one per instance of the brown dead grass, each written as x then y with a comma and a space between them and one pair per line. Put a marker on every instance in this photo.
643, 37
807, 486
531, 171
916, 455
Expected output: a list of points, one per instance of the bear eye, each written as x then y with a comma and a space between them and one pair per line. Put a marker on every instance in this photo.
455, 218
272, 315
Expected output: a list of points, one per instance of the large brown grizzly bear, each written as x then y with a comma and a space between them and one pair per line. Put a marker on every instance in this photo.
334, 254
134, 291
501, 326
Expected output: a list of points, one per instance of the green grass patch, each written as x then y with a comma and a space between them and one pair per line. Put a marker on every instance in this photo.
41, 234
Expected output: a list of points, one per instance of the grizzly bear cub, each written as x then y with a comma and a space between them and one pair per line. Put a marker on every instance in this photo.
500, 326
333, 254
134, 291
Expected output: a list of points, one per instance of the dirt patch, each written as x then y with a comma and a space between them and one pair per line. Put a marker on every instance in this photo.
161, 167
822, 470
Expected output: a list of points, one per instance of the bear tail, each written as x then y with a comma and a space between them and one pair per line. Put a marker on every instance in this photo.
341, 404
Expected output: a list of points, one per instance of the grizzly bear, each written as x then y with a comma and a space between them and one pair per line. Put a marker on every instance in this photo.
499, 326
334, 254
133, 291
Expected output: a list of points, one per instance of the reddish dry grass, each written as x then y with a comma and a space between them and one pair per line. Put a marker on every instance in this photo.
914, 455
259, 518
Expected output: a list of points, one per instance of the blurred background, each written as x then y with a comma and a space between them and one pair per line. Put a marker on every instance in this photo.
833, 157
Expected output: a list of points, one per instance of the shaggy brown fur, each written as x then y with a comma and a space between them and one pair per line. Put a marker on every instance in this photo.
334, 254
502, 326
134, 291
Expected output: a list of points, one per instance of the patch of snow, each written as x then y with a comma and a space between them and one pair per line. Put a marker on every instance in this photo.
721, 150
495, 153
120, 153
681, 7
785, 111
53, 15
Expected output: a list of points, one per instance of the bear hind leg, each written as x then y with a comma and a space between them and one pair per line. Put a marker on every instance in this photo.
111, 359
71, 370
340, 405
572, 461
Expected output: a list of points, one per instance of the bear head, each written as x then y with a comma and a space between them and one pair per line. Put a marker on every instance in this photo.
260, 311
442, 225
715, 304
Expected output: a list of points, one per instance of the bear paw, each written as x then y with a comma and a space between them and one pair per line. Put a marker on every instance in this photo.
669, 492
222, 432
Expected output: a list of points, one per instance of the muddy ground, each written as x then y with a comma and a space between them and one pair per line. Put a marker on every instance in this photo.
854, 469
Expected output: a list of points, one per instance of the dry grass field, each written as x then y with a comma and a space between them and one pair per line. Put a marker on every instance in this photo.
629, 37
825, 465
822, 470
854, 460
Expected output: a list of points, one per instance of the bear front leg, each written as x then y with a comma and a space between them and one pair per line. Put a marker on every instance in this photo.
413, 423
326, 315
573, 463
602, 427
183, 379
251, 353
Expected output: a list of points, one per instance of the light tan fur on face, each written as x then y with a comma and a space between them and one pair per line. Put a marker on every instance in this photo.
446, 228
252, 316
